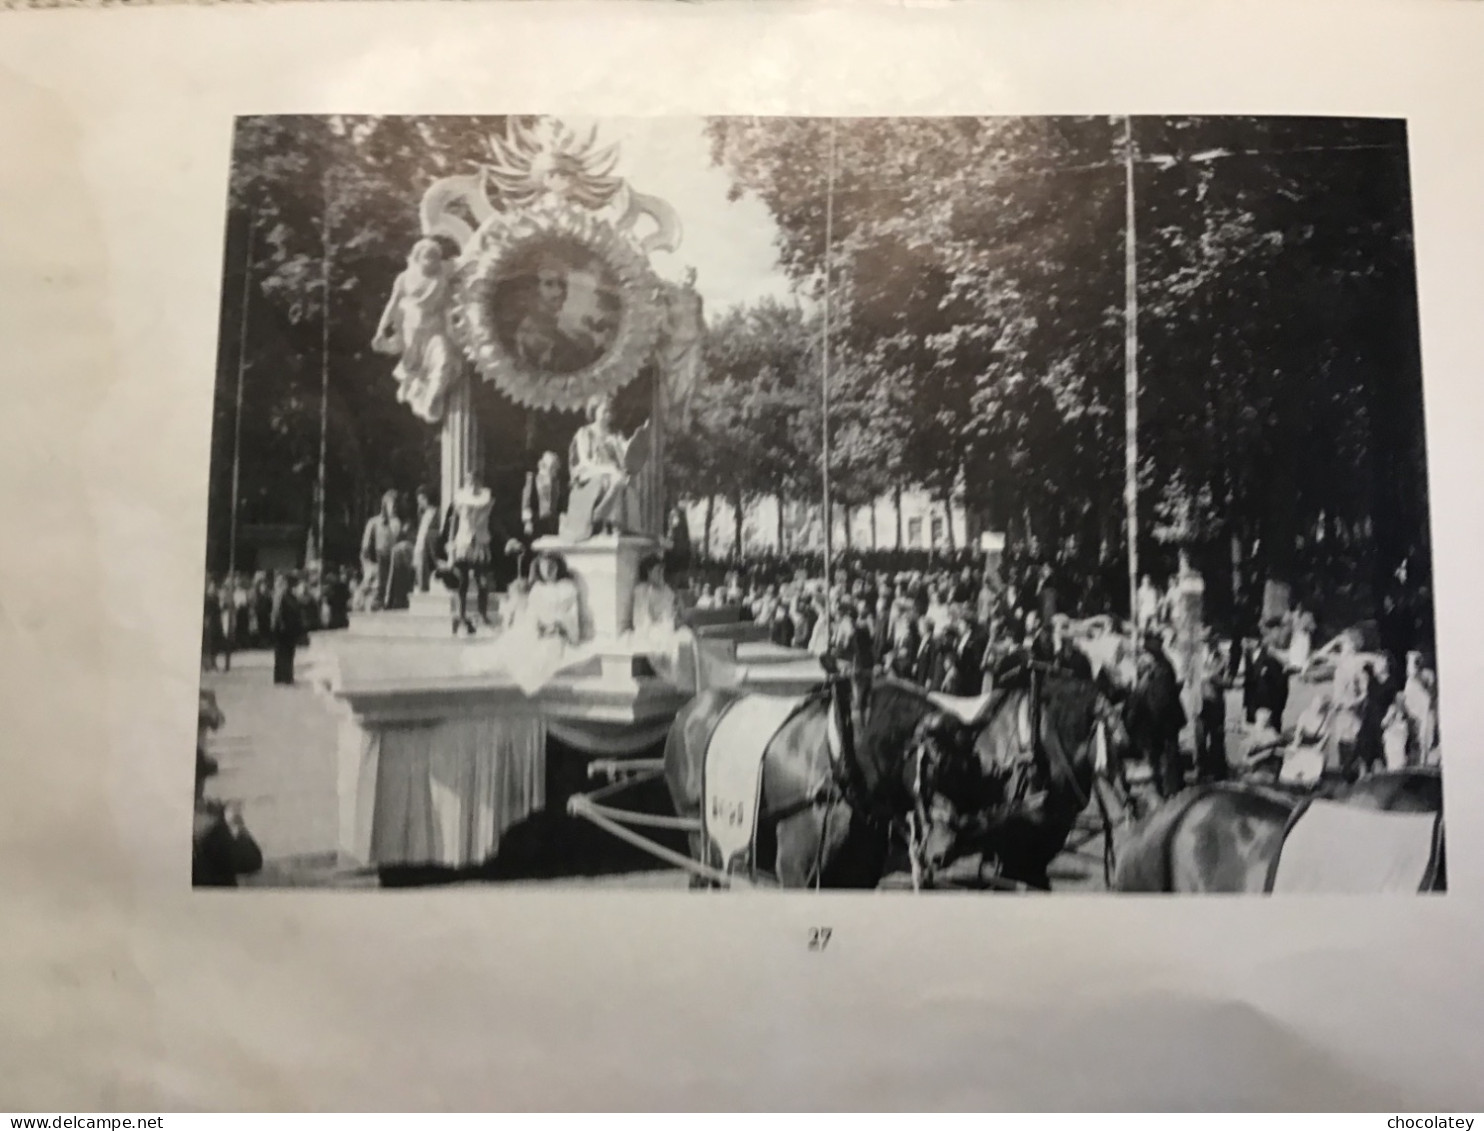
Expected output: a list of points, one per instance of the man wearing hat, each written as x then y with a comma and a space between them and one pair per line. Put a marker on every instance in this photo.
970, 642
1155, 717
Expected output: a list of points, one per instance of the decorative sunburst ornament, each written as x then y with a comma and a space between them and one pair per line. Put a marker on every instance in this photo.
548, 159
554, 305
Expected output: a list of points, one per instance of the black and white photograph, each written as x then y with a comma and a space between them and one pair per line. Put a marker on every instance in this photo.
938, 505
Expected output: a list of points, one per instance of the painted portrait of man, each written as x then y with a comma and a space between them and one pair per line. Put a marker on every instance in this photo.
565, 313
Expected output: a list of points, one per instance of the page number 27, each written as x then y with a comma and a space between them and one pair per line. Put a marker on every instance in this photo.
819, 937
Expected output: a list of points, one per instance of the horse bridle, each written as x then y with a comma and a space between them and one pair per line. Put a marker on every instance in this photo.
979, 822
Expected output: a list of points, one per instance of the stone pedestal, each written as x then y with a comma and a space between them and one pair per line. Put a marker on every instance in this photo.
606, 569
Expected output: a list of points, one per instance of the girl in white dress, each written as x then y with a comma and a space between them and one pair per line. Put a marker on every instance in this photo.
545, 635
658, 633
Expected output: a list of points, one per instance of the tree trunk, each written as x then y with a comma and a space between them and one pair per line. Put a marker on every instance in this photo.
1236, 562
737, 528
875, 545
948, 519
846, 509
706, 538
897, 500
782, 549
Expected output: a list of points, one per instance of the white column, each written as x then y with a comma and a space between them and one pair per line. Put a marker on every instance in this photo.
461, 447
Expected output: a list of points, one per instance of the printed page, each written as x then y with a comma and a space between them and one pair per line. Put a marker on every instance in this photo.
741, 557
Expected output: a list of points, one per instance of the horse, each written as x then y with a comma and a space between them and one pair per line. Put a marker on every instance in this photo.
1226, 837
1032, 771
830, 803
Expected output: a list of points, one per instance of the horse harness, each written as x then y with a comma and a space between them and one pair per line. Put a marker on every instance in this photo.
1020, 799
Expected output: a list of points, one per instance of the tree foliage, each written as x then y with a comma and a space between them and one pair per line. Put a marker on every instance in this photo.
321, 209
978, 280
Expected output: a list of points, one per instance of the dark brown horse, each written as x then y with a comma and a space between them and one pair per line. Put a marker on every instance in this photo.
1014, 802
1226, 838
903, 772
829, 807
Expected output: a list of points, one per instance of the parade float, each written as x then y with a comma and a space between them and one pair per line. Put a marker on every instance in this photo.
534, 275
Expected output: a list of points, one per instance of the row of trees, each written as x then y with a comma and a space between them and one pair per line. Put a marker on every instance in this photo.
978, 292
977, 296
322, 212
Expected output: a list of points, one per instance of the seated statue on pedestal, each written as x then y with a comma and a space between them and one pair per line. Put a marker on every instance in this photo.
605, 496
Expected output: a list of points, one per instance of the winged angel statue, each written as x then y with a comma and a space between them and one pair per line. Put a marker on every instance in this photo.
534, 165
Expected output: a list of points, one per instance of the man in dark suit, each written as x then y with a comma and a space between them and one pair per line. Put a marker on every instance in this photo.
1155, 717
286, 625
543, 498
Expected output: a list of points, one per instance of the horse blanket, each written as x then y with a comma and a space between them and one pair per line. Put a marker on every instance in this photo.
1335, 849
732, 772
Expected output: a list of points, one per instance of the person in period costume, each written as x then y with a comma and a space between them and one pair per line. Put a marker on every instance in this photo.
1419, 700
544, 637
604, 497
1396, 736
543, 498
381, 534
658, 632
401, 571
286, 625
470, 533
425, 550
415, 326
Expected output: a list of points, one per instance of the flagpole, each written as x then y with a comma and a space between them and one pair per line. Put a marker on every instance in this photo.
324, 380
1131, 371
252, 228
824, 396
